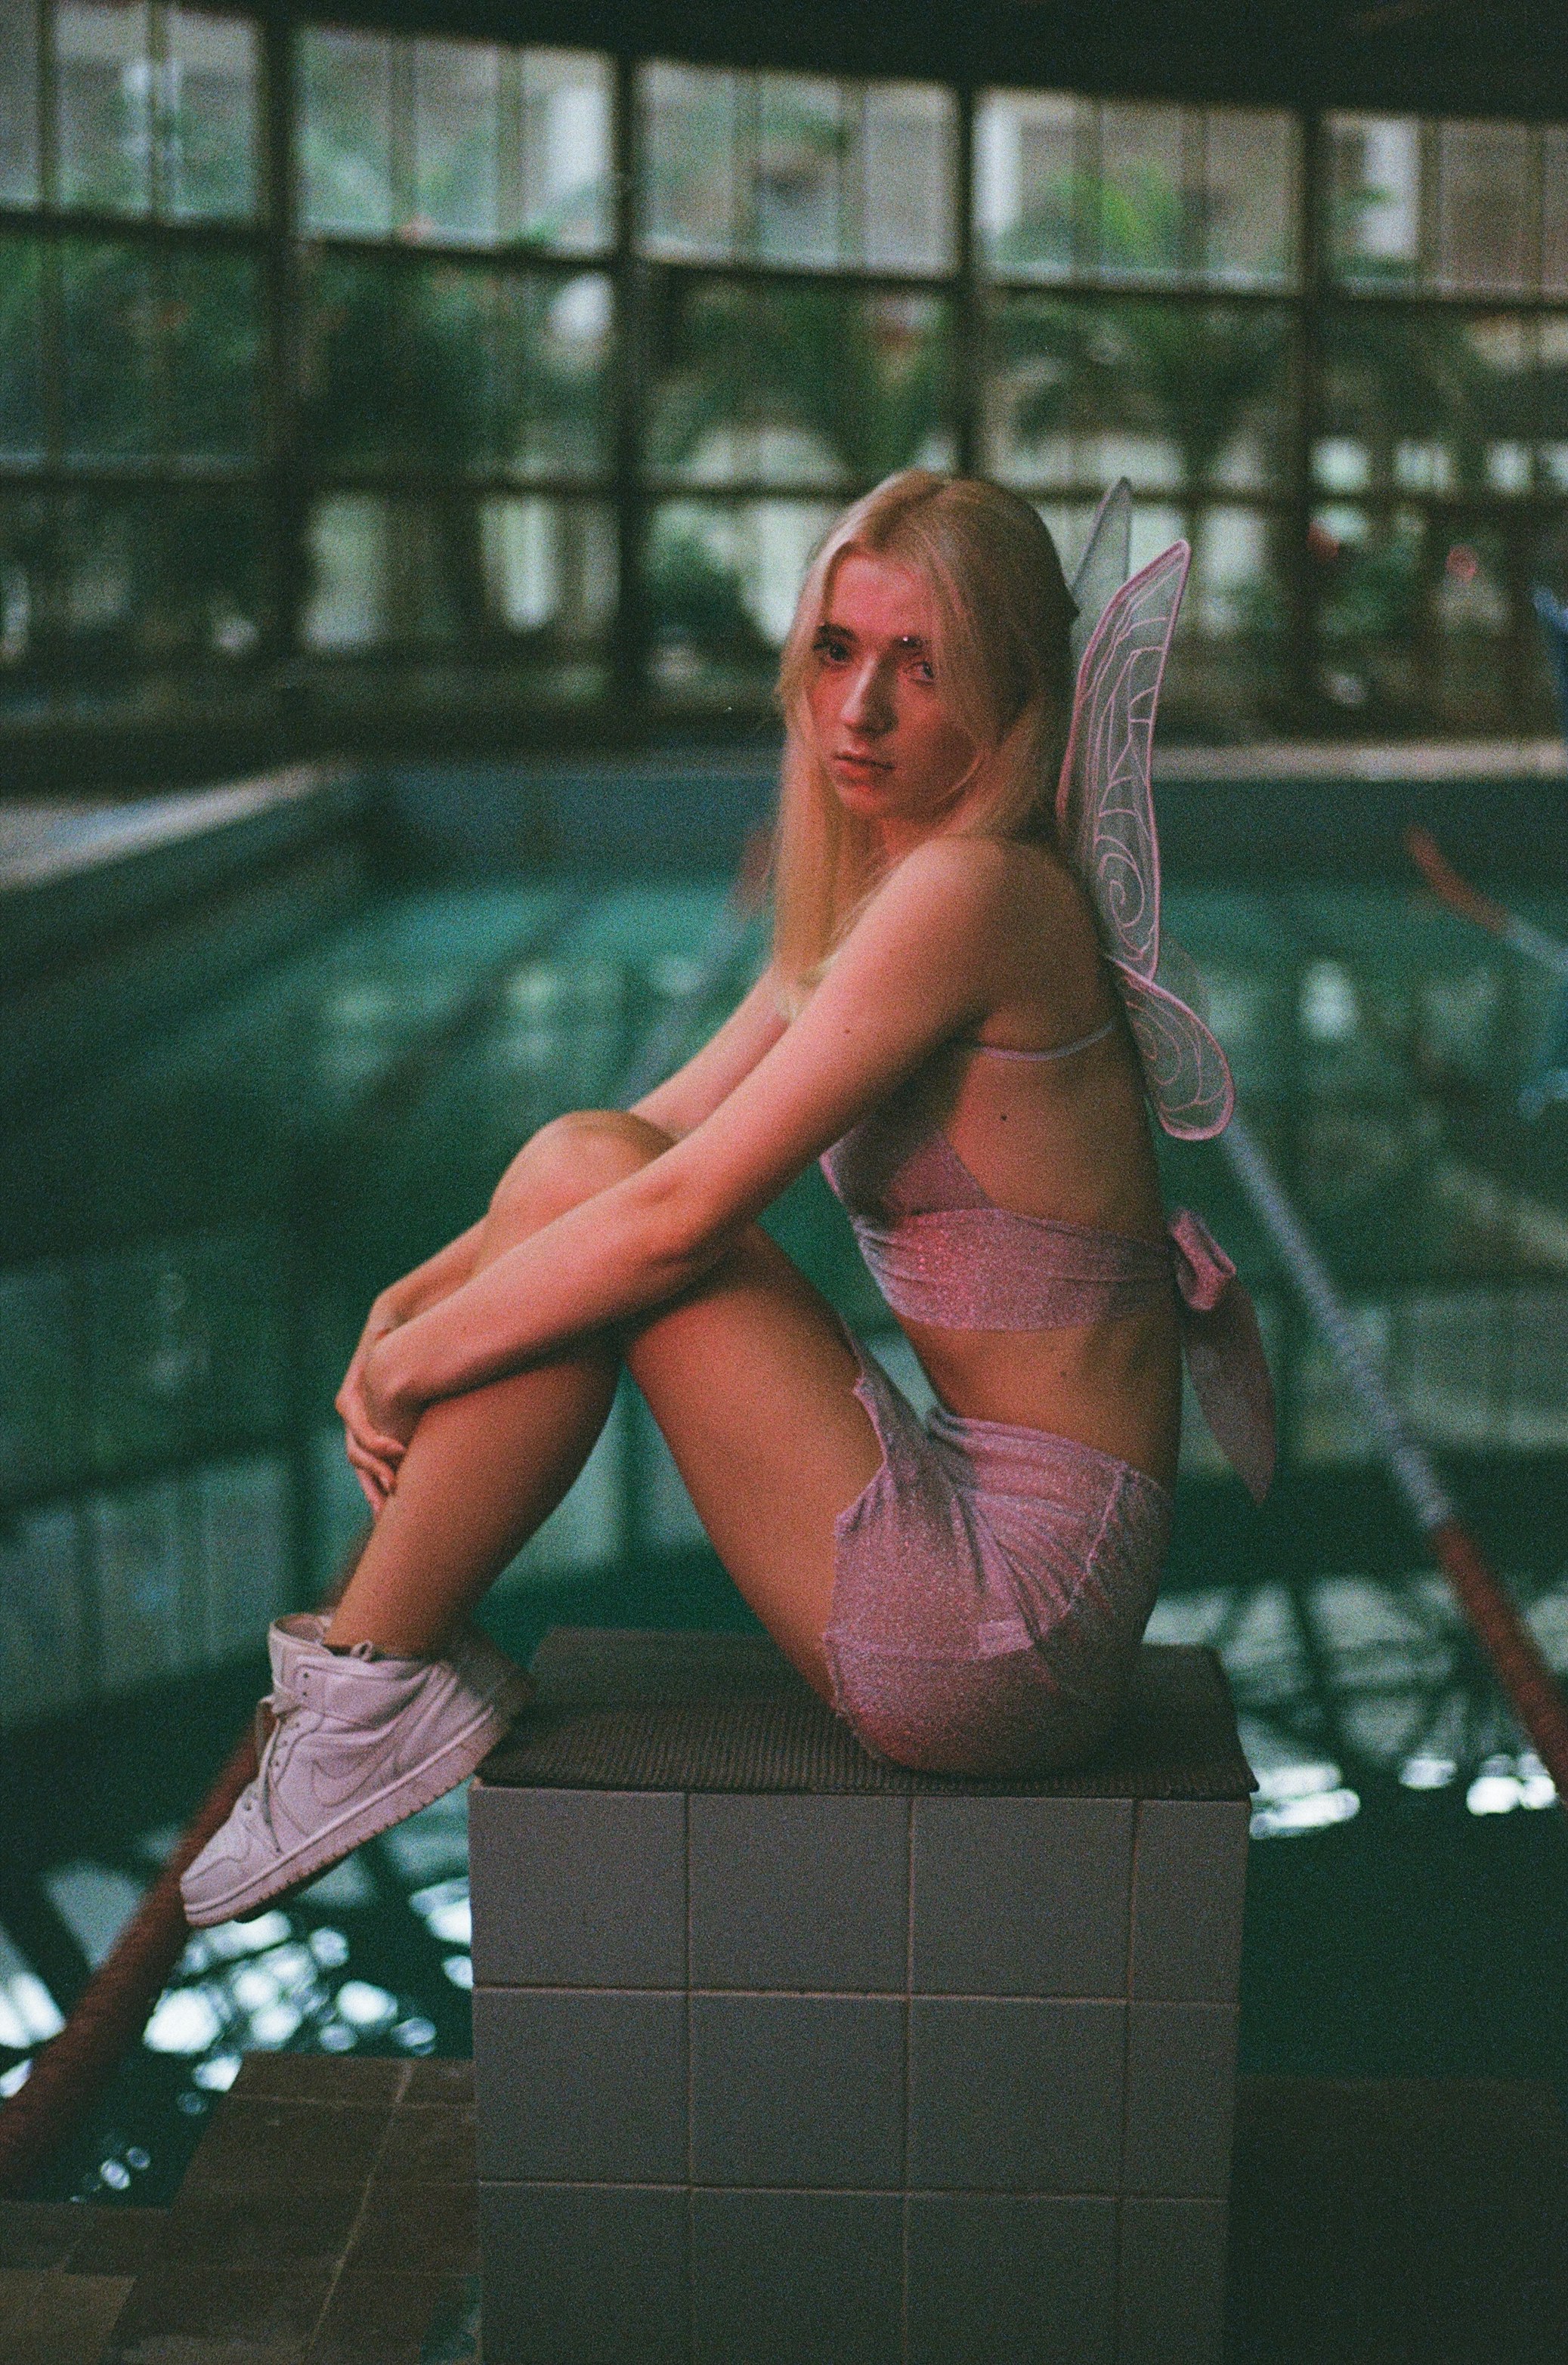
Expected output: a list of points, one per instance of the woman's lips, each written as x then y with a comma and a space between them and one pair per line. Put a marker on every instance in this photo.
862, 763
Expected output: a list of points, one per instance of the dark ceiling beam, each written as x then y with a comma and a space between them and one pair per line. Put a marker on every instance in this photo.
1433, 57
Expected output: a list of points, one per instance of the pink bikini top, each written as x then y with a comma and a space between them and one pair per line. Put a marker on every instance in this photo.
943, 1253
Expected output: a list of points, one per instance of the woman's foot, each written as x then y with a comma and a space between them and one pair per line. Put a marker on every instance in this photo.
359, 1742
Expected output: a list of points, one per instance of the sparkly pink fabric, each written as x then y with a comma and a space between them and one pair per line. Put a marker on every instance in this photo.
991, 1589
943, 1253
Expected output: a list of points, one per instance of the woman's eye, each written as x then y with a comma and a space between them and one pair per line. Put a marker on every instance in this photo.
834, 651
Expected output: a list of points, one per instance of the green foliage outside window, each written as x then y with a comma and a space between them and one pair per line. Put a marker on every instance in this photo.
394, 396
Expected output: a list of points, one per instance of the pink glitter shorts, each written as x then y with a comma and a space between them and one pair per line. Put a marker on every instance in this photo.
993, 1585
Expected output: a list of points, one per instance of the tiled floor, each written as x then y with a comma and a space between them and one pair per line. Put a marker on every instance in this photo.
328, 2219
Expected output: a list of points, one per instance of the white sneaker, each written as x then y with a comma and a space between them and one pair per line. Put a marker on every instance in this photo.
359, 1742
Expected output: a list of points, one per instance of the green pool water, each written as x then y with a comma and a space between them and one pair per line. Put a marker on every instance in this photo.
183, 1266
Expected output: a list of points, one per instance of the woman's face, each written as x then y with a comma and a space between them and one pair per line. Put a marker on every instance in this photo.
895, 755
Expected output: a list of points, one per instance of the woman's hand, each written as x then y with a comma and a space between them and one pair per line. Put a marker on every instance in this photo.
370, 1441
392, 1406
374, 1433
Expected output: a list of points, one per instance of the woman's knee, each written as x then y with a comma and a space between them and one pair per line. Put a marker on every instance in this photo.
573, 1158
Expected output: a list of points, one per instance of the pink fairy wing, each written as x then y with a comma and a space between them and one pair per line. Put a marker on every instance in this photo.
1105, 826
1187, 1073
1106, 800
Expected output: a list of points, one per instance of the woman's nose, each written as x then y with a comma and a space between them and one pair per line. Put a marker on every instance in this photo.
868, 707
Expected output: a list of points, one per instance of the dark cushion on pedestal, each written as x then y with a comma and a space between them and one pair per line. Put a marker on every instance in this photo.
621, 1711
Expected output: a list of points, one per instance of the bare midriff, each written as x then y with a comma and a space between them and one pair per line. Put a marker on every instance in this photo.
1070, 1142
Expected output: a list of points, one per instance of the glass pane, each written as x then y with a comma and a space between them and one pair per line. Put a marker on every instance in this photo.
797, 181
722, 587
563, 200
454, 368
211, 316
21, 350
456, 155
689, 125
1431, 402
104, 73
1470, 604
1551, 415
350, 360
899, 407
201, 567
447, 394
1554, 211
99, 586
40, 1446
1230, 651
1027, 182
1496, 412
212, 81
1040, 403
1166, 394
1143, 197
795, 169
389, 572
1230, 562
549, 571
1249, 208
1374, 230
109, 357
346, 551
796, 385
552, 385
25, 542
1369, 573
907, 187
1486, 201
18, 103
345, 131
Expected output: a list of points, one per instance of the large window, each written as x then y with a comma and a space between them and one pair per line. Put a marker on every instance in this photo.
388, 375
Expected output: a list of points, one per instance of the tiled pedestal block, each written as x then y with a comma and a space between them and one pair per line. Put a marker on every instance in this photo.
787, 2058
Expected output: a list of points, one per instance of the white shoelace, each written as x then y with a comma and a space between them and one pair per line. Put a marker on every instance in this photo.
282, 1704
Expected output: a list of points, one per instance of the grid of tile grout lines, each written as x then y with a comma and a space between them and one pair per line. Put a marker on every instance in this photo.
906, 2079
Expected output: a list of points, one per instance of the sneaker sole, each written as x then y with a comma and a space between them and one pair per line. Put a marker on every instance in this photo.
451, 1764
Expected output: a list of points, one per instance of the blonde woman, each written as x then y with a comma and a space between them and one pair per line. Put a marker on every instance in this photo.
940, 1024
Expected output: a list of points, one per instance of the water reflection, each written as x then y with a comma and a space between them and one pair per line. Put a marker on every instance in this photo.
1376, 1050
1386, 1672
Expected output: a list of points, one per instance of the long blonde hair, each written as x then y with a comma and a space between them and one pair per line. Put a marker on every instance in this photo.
1002, 610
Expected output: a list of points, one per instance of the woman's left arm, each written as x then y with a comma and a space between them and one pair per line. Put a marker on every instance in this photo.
922, 962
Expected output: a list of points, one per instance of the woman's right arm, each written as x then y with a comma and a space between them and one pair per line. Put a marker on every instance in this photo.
680, 1104
397, 1304
426, 1286
677, 1105
436, 1278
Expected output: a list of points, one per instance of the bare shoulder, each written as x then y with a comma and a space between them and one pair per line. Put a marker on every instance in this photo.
988, 883
967, 881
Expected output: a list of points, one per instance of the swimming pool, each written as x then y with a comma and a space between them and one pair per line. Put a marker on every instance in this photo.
201, 1221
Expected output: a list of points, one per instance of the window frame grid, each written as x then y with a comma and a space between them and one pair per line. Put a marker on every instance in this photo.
285, 478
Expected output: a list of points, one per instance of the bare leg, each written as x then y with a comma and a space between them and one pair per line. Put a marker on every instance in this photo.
469, 1493
750, 1377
